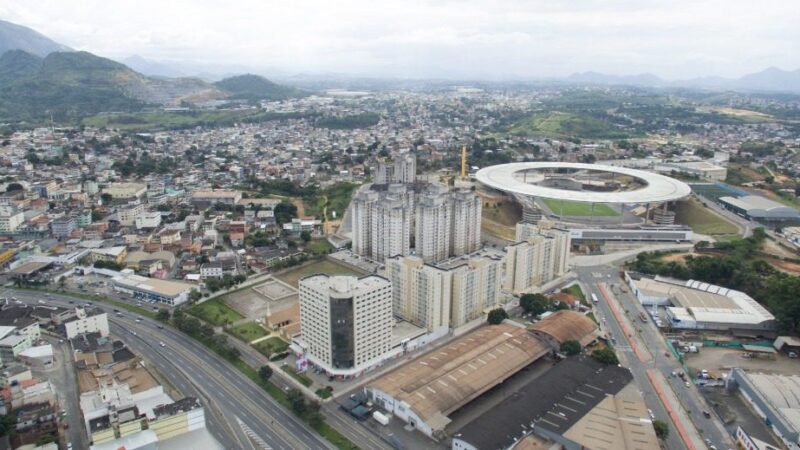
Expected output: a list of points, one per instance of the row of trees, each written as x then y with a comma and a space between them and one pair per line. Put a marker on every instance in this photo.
205, 334
226, 282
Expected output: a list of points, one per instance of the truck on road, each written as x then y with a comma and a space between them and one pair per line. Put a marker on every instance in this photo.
381, 418
594, 298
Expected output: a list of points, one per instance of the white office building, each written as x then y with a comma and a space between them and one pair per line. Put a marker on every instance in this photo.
86, 322
148, 220
346, 322
10, 219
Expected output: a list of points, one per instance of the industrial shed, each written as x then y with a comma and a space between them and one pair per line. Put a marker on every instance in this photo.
563, 326
759, 208
424, 391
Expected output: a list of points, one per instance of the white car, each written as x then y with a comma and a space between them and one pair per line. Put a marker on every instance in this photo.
162, 344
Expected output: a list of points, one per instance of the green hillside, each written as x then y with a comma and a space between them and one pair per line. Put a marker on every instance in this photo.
255, 87
560, 124
64, 84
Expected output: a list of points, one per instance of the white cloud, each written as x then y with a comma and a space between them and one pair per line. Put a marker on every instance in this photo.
535, 38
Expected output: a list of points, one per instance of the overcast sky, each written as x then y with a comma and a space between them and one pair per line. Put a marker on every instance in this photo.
407, 38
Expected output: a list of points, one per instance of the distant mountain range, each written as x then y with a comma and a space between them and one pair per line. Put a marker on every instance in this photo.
40, 78
768, 80
17, 37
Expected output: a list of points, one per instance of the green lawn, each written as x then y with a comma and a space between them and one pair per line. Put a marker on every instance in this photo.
701, 219
293, 275
579, 209
215, 312
271, 346
248, 331
575, 290
297, 376
320, 246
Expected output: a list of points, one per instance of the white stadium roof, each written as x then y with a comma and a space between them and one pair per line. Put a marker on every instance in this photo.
659, 188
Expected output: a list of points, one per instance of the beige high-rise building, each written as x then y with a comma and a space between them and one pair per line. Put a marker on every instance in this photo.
465, 234
420, 292
345, 322
541, 256
476, 289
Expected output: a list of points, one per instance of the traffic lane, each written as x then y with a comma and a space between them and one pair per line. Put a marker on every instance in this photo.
248, 409
210, 360
651, 336
636, 367
167, 368
692, 401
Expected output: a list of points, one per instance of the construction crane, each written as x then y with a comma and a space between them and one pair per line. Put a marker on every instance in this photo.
463, 163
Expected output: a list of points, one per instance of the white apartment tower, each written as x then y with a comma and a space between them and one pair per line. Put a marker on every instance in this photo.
432, 239
405, 168
421, 293
346, 322
363, 205
382, 223
465, 235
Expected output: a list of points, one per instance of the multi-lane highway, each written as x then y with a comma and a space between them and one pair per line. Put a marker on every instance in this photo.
650, 343
233, 401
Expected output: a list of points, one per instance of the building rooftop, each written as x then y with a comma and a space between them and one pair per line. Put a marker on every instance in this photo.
756, 205
154, 285
556, 401
566, 325
442, 380
706, 302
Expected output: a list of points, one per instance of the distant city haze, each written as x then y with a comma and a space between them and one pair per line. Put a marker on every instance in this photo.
496, 40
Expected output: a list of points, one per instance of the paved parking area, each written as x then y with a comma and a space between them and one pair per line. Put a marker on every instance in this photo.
723, 359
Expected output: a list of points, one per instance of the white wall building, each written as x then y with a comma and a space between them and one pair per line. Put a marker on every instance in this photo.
382, 223
84, 323
346, 322
10, 219
476, 289
127, 214
148, 219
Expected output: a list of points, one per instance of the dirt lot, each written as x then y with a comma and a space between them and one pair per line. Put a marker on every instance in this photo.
251, 304
722, 359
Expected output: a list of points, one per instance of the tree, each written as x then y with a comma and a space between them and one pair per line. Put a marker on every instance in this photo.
605, 356
8, 423
662, 429
285, 212
265, 372
162, 315
195, 295
570, 347
497, 316
13, 187
106, 198
533, 303
305, 236
297, 401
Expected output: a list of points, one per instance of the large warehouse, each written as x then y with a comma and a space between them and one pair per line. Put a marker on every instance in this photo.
776, 398
424, 391
759, 208
579, 403
696, 305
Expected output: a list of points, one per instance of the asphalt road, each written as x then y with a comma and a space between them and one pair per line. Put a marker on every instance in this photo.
62, 376
649, 337
231, 399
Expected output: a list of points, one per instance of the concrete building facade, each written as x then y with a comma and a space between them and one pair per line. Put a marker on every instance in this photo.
541, 257
346, 322
421, 293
